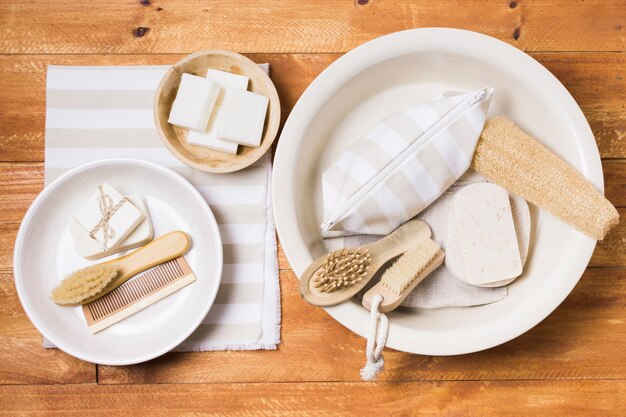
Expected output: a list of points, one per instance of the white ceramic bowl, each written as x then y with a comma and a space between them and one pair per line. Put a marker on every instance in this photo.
404, 69
45, 254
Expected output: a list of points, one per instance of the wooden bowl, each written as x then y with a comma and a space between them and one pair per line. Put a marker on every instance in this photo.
174, 137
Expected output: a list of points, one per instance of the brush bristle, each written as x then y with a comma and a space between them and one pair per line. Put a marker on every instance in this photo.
83, 284
342, 269
400, 275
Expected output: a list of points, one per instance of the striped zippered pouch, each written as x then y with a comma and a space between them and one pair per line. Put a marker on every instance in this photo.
402, 165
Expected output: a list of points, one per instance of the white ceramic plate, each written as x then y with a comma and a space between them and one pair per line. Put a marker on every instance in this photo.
404, 69
44, 255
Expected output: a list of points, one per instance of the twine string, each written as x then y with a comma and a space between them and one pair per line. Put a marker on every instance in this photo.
107, 210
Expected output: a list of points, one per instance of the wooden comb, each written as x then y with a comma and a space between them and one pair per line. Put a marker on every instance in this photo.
138, 293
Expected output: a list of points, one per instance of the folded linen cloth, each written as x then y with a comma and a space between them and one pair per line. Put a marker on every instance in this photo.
440, 288
100, 112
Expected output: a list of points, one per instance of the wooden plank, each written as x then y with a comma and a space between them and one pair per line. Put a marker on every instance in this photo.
24, 361
19, 185
595, 80
615, 181
292, 26
583, 338
465, 398
21, 182
612, 250
598, 83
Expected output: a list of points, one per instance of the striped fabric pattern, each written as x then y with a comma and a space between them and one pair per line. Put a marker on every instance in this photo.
416, 182
99, 112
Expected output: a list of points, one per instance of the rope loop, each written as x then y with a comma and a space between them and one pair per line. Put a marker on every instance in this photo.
379, 327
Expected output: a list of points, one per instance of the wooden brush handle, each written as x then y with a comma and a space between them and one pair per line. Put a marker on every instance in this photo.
399, 241
391, 300
390, 246
160, 250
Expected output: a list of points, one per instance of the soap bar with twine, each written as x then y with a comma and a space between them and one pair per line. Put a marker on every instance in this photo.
108, 216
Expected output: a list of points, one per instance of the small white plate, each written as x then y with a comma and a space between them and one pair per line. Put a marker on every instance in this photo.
404, 69
44, 255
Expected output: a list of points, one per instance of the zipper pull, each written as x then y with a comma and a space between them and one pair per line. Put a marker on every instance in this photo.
326, 226
481, 95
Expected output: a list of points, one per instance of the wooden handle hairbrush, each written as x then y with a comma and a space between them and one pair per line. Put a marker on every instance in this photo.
91, 283
339, 275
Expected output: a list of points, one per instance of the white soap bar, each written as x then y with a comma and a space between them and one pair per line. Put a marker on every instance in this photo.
228, 79
91, 249
209, 138
243, 117
123, 221
485, 233
194, 102
522, 223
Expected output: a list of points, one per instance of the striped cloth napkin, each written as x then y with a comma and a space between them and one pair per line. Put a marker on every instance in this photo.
101, 112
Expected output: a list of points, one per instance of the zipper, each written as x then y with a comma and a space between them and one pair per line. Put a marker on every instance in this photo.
453, 115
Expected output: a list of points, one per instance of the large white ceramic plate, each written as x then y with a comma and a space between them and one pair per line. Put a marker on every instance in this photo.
44, 255
404, 69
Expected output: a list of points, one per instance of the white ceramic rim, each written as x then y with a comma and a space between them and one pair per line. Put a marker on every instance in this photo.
386, 47
19, 242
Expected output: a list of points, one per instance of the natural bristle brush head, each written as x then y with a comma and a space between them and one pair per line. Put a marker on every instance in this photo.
342, 269
404, 275
336, 277
81, 285
404, 270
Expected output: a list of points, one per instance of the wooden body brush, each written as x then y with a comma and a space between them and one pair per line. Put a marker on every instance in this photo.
91, 283
396, 283
404, 275
339, 275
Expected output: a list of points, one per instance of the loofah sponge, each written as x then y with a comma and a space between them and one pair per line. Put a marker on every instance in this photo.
510, 157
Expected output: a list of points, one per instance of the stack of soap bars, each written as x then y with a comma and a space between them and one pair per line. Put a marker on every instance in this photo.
219, 111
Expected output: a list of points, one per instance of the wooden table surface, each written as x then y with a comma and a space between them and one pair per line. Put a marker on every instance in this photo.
573, 363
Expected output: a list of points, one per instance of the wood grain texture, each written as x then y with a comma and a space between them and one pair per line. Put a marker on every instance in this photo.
464, 398
615, 181
583, 338
19, 185
292, 26
612, 250
23, 360
597, 81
